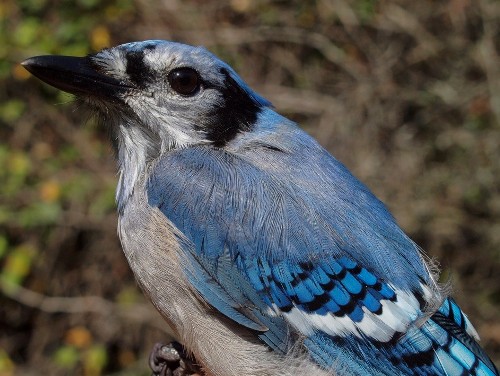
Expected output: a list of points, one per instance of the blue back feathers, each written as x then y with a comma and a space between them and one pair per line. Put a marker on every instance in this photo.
283, 240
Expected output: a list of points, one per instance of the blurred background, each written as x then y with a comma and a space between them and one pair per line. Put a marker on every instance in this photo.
405, 93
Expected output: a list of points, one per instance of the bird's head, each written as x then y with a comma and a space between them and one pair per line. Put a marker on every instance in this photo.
156, 96
178, 94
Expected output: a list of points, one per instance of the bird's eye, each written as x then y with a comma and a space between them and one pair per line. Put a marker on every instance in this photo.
184, 81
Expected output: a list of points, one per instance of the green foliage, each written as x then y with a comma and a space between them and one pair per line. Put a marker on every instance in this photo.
366, 9
6, 364
94, 360
66, 357
81, 352
4, 243
11, 110
38, 155
28, 27
128, 296
17, 265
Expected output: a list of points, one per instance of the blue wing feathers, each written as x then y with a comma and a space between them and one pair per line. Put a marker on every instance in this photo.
240, 303
373, 304
366, 277
320, 245
217, 296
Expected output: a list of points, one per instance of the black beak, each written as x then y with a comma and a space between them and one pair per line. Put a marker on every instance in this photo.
75, 75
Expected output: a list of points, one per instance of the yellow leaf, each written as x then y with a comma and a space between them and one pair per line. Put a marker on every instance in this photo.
79, 337
19, 73
6, 364
100, 38
18, 263
18, 163
241, 6
94, 361
50, 191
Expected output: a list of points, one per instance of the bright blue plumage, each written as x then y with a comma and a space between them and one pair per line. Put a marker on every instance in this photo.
317, 242
243, 230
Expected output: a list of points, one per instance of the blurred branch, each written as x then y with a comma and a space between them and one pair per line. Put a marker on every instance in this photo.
488, 56
303, 101
83, 221
396, 18
87, 304
45, 303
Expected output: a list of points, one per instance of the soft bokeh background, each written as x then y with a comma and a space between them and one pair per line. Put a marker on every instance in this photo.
405, 93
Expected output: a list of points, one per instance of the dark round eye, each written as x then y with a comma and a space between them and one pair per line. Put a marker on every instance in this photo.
185, 81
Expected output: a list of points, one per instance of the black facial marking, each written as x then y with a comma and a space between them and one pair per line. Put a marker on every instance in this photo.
238, 113
150, 46
138, 72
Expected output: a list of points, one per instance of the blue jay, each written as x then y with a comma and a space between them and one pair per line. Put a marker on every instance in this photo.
261, 251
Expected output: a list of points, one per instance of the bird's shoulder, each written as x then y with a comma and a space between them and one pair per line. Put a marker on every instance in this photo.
285, 197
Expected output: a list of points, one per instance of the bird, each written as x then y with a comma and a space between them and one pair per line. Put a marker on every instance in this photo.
261, 251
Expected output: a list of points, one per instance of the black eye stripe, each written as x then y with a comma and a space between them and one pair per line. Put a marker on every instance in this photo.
137, 70
150, 46
237, 113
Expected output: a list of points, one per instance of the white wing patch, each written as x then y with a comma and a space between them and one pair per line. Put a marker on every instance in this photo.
395, 317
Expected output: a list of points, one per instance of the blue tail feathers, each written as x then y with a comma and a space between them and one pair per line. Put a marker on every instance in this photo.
443, 345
